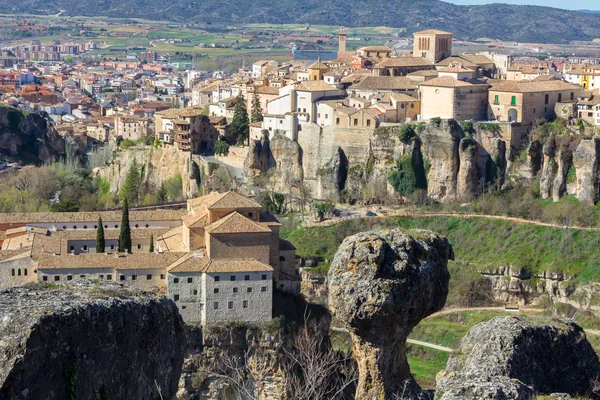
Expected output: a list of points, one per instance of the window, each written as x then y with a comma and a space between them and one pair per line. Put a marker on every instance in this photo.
496, 99
149, 277
368, 122
337, 121
412, 105
263, 289
64, 227
246, 277
162, 276
19, 272
139, 246
112, 246
572, 95
217, 278
230, 305
133, 277
264, 277
534, 110
250, 215
190, 280
85, 248
85, 227
45, 278
559, 97
72, 248
235, 290
69, 277
355, 122
318, 115
183, 307
195, 292
513, 101
109, 277
101, 277
122, 277
216, 305
249, 289
116, 226
175, 280
57, 278
232, 278
147, 226
74, 226
13, 272
176, 297
245, 304
299, 128
82, 276
137, 226
106, 226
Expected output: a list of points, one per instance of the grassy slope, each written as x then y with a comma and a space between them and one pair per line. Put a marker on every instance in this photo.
477, 242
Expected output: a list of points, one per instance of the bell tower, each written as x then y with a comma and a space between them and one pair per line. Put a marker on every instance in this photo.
342, 34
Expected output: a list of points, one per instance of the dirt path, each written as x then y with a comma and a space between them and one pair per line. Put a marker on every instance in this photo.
430, 345
386, 213
446, 311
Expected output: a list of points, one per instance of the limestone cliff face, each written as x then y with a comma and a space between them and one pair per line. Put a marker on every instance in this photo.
158, 164
28, 138
381, 284
516, 358
331, 179
468, 176
557, 159
586, 159
440, 147
89, 342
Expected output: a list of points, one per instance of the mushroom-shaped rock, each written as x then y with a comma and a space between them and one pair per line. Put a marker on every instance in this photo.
517, 358
381, 284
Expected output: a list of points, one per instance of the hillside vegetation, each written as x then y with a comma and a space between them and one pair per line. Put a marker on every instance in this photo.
496, 21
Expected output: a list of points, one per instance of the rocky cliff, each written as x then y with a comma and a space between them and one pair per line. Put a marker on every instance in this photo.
516, 358
381, 285
157, 164
88, 342
28, 138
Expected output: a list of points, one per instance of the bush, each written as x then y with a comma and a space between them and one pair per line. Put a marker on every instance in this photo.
406, 133
126, 144
467, 127
221, 148
403, 178
64, 206
436, 121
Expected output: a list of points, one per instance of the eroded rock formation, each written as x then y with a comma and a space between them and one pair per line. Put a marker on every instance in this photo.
381, 284
517, 357
586, 160
89, 342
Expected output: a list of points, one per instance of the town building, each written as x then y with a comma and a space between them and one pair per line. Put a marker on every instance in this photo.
219, 260
447, 97
433, 45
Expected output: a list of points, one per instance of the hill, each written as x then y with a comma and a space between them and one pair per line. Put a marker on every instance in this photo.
496, 21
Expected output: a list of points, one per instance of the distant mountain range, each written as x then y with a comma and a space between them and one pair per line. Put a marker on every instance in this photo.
494, 21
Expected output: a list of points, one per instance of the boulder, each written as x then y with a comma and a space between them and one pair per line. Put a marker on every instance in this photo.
381, 284
89, 341
517, 358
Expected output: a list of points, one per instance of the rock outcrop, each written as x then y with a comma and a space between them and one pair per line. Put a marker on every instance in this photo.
518, 357
331, 179
381, 284
468, 178
30, 138
88, 342
586, 159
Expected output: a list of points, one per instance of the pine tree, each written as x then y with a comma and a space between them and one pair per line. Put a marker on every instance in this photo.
125, 234
100, 242
257, 111
133, 182
161, 195
240, 125
151, 248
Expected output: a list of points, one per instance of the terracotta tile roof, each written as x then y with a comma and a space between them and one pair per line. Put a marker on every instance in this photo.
172, 240
16, 255
448, 81
235, 265
424, 72
477, 59
534, 86
404, 62
230, 200
90, 216
111, 261
190, 262
319, 65
376, 48
8, 254
454, 60
314, 86
196, 220
402, 98
236, 223
385, 83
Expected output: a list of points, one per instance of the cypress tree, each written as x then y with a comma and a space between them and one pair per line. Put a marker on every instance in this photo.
151, 249
240, 125
125, 234
257, 111
100, 242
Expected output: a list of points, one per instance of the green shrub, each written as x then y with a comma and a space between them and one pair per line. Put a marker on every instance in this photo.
406, 133
126, 144
436, 121
421, 127
467, 127
403, 178
221, 148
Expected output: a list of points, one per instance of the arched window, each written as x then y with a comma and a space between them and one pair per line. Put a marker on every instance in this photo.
13, 272
19, 272
25, 272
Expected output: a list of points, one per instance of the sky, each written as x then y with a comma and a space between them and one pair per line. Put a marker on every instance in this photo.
576, 5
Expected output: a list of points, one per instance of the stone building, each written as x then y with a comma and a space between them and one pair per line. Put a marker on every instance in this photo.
432, 44
219, 260
447, 97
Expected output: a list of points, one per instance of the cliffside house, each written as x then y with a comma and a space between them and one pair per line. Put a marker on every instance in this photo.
447, 97
219, 260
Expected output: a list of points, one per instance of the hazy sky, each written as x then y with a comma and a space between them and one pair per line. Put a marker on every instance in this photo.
576, 5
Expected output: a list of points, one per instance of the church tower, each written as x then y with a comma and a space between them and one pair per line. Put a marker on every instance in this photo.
342, 40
